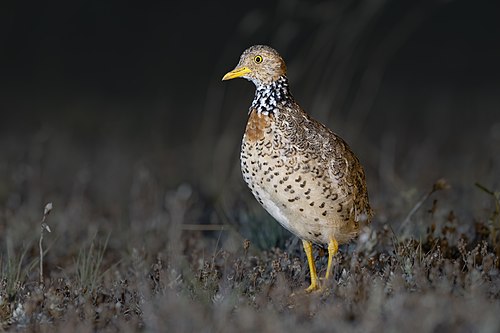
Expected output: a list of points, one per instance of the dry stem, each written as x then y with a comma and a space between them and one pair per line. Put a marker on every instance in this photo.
43, 226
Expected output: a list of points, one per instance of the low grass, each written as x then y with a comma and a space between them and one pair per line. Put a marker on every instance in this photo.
445, 279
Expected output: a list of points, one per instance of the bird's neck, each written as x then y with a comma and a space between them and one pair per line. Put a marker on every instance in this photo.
269, 97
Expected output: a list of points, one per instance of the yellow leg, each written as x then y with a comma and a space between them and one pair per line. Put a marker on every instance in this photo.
333, 248
312, 268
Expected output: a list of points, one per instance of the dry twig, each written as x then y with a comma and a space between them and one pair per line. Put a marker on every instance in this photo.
43, 226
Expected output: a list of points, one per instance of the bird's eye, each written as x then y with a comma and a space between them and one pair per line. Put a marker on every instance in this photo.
257, 59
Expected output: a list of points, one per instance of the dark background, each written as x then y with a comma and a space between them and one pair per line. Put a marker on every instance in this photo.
97, 97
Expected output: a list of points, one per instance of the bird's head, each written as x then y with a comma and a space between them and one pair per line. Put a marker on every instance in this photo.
260, 64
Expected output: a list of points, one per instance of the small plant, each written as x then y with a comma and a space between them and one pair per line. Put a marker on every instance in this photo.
495, 215
89, 263
439, 185
14, 273
43, 226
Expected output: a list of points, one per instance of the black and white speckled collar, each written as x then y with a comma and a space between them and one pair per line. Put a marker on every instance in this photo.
269, 97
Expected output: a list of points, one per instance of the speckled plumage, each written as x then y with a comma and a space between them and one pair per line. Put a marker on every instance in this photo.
301, 172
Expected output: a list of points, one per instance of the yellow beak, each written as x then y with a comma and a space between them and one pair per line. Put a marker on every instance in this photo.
237, 72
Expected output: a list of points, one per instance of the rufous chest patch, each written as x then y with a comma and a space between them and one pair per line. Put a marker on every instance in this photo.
256, 125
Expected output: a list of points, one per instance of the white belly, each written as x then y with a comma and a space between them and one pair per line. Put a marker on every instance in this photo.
272, 208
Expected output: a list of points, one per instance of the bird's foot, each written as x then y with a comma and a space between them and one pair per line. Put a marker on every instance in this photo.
313, 287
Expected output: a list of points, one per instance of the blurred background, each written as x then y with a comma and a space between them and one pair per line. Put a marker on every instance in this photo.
115, 110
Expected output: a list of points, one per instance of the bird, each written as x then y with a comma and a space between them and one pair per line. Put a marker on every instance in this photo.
303, 174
